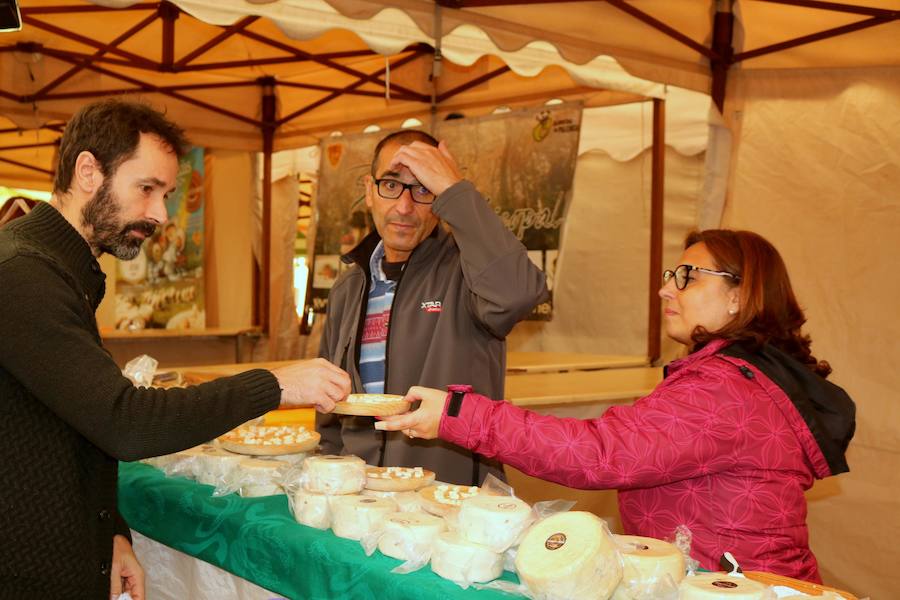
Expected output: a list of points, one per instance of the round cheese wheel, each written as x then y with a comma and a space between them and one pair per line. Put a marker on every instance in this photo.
311, 509
186, 462
462, 561
569, 555
270, 440
259, 477
354, 517
646, 562
215, 465
372, 405
397, 479
711, 586
331, 474
408, 536
494, 521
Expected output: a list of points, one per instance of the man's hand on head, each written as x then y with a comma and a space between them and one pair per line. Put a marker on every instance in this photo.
433, 167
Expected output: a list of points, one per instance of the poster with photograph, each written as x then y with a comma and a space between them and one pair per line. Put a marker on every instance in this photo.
163, 287
523, 162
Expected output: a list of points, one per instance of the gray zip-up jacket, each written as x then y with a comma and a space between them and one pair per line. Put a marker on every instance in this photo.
460, 295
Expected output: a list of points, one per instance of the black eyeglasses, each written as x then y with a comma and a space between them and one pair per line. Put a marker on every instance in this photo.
391, 189
682, 275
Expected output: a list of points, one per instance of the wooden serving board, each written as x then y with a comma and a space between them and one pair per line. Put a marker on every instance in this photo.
372, 405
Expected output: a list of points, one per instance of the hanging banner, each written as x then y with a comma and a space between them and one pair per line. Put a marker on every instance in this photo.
523, 162
163, 287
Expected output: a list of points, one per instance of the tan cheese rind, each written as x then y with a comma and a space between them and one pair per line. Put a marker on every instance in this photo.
718, 586
408, 536
259, 477
311, 509
569, 555
647, 562
354, 517
462, 561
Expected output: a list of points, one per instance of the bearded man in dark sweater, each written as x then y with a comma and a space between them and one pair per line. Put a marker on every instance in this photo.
67, 415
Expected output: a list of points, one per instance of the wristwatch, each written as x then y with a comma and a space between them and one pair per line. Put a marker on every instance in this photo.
458, 392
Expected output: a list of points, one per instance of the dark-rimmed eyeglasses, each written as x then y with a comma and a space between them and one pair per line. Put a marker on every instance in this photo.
682, 275
391, 189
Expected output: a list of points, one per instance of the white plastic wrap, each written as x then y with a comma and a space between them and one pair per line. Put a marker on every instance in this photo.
464, 562
494, 521
409, 536
569, 555
652, 568
355, 516
257, 477
311, 508
186, 463
140, 370
215, 466
682, 541
719, 586
406, 501
331, 474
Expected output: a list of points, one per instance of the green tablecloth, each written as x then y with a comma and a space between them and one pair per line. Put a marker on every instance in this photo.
258, 539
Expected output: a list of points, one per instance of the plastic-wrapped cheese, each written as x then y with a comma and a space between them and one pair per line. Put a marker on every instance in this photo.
408, 536
569, 555
330, 474
353, 517
493, 521
311, 509
259, 477
647, 561
406, 501
717, 586
462, 561
216, 464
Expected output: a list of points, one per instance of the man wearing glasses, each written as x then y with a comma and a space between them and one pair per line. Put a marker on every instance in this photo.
424, 304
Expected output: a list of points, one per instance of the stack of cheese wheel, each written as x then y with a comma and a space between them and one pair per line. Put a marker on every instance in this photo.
259, 477
354, 516
493, 521
330, 474
409, 536
719, 586
647, 563
456, 558
569, 555
215, 465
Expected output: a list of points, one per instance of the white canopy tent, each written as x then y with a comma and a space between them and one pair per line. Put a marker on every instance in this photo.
804, 149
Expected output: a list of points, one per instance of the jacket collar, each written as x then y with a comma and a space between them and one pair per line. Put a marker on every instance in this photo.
363, 251
708, 350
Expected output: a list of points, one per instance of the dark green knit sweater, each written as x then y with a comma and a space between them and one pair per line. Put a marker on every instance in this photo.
67, 415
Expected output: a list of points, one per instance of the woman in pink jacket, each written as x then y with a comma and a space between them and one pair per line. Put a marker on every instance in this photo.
725, 445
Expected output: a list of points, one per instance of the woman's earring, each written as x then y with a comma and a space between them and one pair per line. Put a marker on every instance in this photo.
732, 311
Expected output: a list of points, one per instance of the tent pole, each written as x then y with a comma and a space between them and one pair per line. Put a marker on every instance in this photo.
268, 138
654, 320
723, 52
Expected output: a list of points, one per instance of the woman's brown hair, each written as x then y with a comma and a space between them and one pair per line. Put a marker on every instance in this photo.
769, 312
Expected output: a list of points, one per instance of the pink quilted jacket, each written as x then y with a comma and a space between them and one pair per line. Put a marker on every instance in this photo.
717, 447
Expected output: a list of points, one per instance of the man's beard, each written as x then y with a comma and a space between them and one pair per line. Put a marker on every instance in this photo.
100, 219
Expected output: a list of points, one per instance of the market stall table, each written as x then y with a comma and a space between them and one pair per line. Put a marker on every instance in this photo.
259, 540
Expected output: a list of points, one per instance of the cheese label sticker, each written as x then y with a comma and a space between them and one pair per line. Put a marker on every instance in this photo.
555, 541
367, 501
724, 584
506, 505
